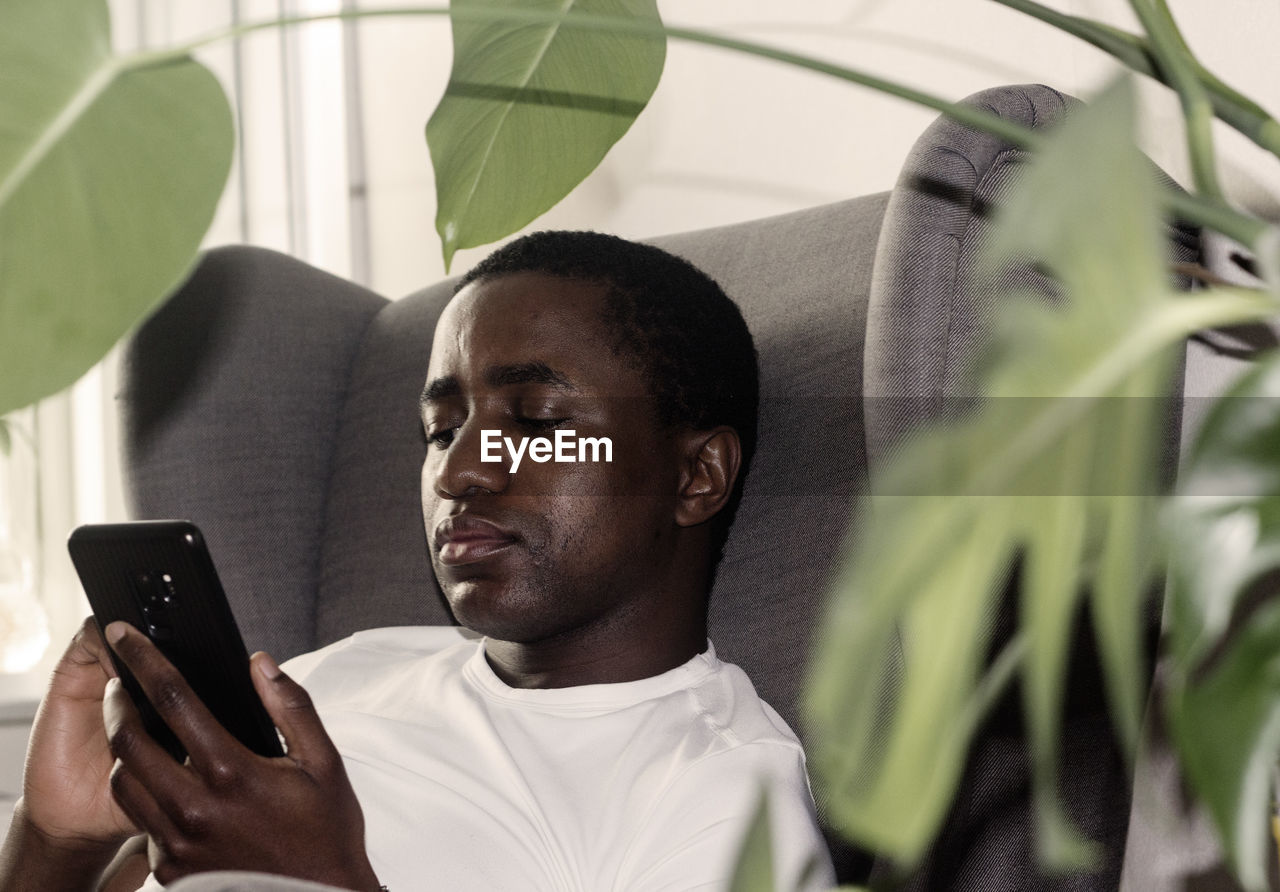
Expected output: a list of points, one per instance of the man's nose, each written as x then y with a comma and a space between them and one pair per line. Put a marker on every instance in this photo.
459, 470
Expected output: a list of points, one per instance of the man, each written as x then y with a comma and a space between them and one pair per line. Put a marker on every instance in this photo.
591, 740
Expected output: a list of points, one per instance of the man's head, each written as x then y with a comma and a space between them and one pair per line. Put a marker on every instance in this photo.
590, 333
689, 338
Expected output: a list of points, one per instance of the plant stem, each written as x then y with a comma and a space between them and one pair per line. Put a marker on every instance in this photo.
1128, 48
1241, 112
1134, 51
1216, 215
1212, 214
971, 116
1175, 61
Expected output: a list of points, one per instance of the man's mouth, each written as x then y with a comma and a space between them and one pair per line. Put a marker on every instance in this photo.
460, 539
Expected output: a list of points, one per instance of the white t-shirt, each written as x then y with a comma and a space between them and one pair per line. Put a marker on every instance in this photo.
469, 784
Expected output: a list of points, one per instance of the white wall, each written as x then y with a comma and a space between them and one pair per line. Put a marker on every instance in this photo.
726, 137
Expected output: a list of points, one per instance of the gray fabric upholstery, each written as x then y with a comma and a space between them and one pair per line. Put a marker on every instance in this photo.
276, 407
230, 398
928, 311
802, 281
927, 317
376, 571
364, 518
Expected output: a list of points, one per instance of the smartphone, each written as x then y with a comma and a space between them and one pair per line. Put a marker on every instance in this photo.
157, 576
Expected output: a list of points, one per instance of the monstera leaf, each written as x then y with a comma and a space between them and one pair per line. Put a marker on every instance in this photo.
1055, 467
1224, 679
530, 110
110, 171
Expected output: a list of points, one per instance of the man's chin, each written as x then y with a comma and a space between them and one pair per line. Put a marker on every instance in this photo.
487, 606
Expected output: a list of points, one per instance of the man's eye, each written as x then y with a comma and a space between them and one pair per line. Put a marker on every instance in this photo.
539, 424
442, 438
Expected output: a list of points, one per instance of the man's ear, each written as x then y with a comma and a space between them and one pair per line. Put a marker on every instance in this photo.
709, 466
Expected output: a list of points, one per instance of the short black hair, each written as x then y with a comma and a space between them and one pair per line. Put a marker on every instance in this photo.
689, 338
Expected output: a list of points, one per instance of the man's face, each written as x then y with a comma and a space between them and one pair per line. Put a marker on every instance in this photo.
555, 547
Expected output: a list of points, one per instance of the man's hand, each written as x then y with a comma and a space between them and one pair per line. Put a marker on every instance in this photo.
228, 808
65, 787
67, 827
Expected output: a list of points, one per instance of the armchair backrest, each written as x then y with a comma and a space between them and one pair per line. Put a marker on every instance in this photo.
302, 461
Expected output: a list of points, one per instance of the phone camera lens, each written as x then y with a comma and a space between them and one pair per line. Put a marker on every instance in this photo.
155, 590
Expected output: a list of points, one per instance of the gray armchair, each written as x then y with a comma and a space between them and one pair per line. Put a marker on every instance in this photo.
275, 406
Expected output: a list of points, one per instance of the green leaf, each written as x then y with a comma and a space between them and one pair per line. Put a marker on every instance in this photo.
110, 171
1224, 687
1050, 597
1056, 466
753, 871
530, 110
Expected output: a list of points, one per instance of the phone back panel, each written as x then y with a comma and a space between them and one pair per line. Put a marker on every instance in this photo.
158, 577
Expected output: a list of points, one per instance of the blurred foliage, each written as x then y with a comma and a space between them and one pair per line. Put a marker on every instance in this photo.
1224, 690
754, 869
1058, 466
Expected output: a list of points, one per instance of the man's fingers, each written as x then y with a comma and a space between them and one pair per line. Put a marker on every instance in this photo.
90, 640
290, 708
168, 784
85, 665
87, 644
207, 743
137, 802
